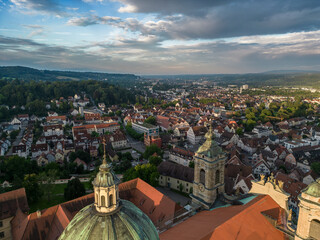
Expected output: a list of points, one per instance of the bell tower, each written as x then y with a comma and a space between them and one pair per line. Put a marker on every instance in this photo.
209, 163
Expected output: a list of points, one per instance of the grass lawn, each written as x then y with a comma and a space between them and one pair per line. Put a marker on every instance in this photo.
57, 197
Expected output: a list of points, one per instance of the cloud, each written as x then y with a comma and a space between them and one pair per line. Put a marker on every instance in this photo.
36, 30
219, 19
148, 55
38, 6
92, 20
72, 8
168, 7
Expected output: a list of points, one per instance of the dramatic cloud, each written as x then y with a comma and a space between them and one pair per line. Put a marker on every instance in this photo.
168, 7
146, 55
167, 36
233, 19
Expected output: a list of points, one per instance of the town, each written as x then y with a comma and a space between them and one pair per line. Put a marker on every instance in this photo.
156, 139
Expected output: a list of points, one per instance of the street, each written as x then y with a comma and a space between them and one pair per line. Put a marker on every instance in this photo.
17, 140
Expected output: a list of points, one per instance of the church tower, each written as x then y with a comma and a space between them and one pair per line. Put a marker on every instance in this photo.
209, 163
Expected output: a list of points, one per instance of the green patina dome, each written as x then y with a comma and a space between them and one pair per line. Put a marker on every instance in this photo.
126, 223
210, 147
313, 189
105, 177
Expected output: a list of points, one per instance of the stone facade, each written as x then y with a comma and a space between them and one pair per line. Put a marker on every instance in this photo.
209, 163
206, 191
5, 229
309, 213
271, 188
174, 183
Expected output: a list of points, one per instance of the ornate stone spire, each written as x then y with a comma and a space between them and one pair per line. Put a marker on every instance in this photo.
106, 187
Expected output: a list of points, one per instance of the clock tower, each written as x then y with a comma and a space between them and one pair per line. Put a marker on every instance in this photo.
209, 163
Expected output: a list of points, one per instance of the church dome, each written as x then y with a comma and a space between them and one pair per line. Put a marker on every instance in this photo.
109, 217
210, 147
313, 189
105, 177
127, 222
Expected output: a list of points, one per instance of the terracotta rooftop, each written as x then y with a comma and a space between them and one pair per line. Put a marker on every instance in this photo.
234, 222
49, 223
10, 202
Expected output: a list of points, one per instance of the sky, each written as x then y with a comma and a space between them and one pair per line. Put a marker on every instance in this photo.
161, 36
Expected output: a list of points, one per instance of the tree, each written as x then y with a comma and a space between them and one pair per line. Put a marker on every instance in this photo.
147, 172
239, 131
154, 179
155, 160
14, 134
74, 189
118, 113
151, 120
85, 156
94, 134
180, 187
191, 164
315, 166
32, 187
121, 167
150, 150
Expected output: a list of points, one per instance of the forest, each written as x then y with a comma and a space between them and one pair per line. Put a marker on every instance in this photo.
35, 95
31, 74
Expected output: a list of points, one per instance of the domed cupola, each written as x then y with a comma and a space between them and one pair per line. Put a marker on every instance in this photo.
106, 194
109, 217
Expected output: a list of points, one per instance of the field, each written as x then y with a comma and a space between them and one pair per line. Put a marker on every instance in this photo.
57, 197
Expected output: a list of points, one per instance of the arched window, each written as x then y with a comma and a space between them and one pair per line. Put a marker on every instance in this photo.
110, 200
202, 177
103, 201
315, 229
217, 177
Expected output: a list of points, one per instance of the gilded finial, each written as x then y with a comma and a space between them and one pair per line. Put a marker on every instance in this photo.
104, 166
209, 134
104, 151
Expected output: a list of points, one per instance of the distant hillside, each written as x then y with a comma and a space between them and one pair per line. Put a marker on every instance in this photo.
273, 78
28, 74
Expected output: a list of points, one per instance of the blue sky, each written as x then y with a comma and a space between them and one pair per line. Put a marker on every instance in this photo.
161, 37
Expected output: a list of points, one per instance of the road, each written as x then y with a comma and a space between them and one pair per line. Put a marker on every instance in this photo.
95, 107
18, 139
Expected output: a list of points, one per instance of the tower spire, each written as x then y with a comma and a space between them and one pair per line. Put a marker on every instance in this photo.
104, 151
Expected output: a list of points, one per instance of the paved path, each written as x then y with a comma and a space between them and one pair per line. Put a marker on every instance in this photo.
17, 141
174, 196
135, 144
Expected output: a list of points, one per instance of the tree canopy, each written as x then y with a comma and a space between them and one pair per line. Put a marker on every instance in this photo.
74, 189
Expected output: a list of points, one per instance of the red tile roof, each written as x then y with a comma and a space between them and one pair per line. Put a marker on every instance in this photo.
234, 222
49, 223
